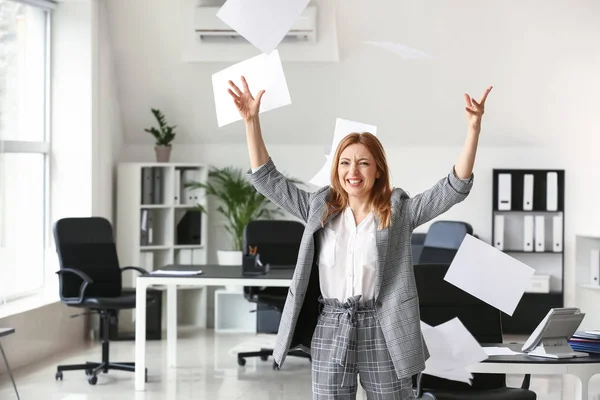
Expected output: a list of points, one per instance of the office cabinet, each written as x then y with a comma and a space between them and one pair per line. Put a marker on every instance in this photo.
528, 224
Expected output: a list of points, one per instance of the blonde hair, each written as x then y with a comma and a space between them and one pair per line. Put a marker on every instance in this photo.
381, 191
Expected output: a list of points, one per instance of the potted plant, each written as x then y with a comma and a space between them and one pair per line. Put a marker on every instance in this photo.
164, 135
240, 204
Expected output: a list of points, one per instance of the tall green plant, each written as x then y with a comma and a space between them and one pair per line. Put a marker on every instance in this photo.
240, 201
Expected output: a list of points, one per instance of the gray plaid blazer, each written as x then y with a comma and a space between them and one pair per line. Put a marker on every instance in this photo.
397, 303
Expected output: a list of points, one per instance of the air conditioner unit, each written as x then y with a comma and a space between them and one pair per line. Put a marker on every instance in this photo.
210, 28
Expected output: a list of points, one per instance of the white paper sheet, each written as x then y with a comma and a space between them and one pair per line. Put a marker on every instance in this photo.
489, 274
262, 73
175, 273
403, 51
264, 23
343, 127
452, 350
500, 351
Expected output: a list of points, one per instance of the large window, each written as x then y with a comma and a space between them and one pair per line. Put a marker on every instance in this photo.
24, 145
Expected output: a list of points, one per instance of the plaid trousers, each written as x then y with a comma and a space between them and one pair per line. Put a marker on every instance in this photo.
348, 341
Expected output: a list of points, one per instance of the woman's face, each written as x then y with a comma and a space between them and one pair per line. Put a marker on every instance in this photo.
357, 171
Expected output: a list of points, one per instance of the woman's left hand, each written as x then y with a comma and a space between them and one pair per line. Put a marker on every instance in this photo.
475, 109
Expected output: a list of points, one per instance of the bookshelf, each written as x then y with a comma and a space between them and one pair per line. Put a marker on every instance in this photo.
528, 224
587, 274
157, 224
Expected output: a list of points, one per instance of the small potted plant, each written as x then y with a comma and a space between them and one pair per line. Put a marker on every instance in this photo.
163, 136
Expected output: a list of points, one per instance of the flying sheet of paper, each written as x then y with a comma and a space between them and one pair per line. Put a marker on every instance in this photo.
500, 351
403, 51
343, 127
452, 350
264, 23
489, 274
263, 72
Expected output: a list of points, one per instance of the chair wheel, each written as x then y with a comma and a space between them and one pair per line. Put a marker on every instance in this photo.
59, 375
88, 372
264, 358
241, 362
92, 380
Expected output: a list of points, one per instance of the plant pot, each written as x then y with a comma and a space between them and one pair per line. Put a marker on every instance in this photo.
163, 153
231, 258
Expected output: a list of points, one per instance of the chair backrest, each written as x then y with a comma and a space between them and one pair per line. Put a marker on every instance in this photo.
417, 241
277, 241
442, 241
440, 301
87, 244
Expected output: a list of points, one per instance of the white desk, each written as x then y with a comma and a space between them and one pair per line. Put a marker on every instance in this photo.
583, 368
213, 275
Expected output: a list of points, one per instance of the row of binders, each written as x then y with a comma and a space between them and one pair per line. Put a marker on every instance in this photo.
183, 194
533, 233
505, 192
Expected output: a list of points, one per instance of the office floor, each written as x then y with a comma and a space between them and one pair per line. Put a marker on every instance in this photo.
207, 370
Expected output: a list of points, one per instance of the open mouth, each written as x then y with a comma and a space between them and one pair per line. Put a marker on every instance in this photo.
354, 182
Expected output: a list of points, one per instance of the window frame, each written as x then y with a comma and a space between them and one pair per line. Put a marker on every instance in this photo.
37, 147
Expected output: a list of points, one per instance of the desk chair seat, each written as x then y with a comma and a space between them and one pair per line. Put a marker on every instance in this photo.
90, 277
490, 394
113, 303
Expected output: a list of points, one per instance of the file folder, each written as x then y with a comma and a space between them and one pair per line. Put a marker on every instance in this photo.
504, 191
499, 232
528, 233
539, 233
528, 192
147, 185
552, 191
595, 267
557, 233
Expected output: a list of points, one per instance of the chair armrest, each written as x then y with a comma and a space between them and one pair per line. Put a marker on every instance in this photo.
86, 280
418, 390
138, 269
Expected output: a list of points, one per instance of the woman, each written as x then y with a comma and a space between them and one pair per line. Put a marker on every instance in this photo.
353, 301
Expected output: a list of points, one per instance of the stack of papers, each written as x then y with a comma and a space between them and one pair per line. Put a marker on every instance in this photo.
343, 127
175, 272
452, 351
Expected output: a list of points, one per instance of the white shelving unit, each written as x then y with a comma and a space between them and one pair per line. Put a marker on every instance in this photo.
587, 293
152, 203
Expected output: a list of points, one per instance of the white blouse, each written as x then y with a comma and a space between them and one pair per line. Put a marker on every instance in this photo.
347, 257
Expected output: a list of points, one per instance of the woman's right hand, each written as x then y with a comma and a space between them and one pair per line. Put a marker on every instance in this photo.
247, 105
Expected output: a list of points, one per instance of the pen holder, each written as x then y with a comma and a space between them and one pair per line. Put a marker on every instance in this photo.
251, 265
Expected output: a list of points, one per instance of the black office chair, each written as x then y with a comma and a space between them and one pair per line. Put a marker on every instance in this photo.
90, 277
439, 302
442, 241
417, 241
278, 243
